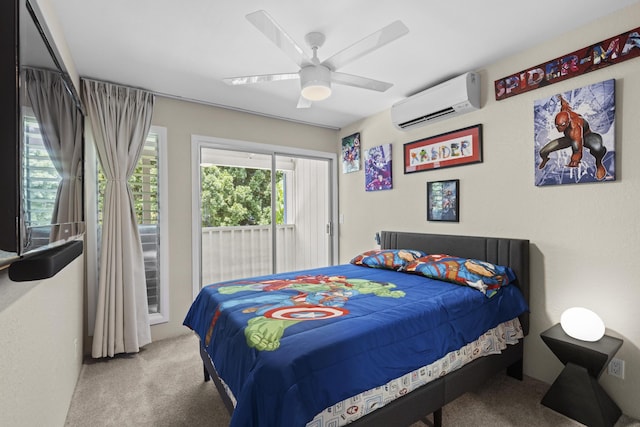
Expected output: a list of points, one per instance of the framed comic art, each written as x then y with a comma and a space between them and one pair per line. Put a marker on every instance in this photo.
455, 148
574, 136
351, 153
443, 202
377, 168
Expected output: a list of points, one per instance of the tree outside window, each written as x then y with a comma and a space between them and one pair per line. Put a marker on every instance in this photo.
236, 196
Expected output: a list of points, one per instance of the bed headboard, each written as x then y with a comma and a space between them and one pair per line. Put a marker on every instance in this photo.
512, 253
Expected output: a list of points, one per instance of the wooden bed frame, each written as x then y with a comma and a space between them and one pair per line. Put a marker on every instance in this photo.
431, 397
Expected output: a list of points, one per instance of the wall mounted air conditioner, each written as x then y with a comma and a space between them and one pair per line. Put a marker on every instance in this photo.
457, 96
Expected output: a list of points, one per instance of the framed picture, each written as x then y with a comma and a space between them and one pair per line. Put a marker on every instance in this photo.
455, 148
377, 168
443, 203
351, 153
574, 135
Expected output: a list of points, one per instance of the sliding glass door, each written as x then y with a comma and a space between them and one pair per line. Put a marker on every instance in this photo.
260, 210
304, 237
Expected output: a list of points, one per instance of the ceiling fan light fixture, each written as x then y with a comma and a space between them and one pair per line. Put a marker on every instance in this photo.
315, 81
317, 91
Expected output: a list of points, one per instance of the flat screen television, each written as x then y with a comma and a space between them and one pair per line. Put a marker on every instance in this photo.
41, 138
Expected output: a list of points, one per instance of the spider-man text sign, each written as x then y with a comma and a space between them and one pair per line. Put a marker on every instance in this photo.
599, 55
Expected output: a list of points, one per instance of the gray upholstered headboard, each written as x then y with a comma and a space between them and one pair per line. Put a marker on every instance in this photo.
513, 253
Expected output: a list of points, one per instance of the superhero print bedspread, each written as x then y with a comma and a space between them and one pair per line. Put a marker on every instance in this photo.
290, 345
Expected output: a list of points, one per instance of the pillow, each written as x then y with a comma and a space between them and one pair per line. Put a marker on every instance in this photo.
390, 259
480, 275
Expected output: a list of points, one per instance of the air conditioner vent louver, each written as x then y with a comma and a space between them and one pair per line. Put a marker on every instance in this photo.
427, 118
454, 97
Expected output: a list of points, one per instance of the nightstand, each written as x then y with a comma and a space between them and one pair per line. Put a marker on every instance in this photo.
576, 392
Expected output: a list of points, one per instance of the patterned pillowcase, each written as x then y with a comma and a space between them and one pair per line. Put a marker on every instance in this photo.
480, 275
391, 259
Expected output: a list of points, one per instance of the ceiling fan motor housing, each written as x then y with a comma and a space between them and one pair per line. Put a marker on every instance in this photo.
315, 81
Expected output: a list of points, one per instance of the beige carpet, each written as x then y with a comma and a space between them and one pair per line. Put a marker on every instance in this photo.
163, 386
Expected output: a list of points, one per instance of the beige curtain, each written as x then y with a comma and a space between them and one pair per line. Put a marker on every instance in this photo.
120, 119
61, 128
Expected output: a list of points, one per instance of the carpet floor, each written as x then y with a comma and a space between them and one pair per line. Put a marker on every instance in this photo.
163, 386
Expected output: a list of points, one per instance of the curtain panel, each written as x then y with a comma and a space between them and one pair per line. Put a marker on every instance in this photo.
120, 120
61, 129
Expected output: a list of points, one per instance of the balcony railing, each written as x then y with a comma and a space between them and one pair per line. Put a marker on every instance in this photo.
230, 253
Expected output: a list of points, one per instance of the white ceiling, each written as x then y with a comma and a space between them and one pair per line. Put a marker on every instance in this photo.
185, 48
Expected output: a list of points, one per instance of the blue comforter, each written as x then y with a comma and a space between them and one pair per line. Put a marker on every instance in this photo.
290, 345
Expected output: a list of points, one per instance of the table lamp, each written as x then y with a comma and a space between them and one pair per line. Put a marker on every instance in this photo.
582, 324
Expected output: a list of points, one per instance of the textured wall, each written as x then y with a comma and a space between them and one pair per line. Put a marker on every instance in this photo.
41, 352
585, 239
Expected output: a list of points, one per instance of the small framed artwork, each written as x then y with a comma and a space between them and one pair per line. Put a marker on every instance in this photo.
377, 168
455, 148
443, 203
351, 153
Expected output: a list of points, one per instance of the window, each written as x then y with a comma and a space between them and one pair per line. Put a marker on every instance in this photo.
148, 187
235, 231
40, 178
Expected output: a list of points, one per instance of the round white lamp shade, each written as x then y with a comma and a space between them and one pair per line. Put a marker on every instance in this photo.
315, 81
582, 324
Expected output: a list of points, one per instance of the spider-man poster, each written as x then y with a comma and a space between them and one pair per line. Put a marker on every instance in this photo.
574, 134
377, 168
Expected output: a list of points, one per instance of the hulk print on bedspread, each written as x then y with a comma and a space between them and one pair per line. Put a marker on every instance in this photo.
278, 304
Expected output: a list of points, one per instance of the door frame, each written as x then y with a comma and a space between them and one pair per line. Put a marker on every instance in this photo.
200, 141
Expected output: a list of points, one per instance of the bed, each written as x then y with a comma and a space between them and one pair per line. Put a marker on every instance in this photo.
371, 328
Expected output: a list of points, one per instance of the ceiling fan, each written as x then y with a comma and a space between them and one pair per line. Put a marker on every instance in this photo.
316, 77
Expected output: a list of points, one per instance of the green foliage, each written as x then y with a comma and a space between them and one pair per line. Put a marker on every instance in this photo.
144, 186
233, 196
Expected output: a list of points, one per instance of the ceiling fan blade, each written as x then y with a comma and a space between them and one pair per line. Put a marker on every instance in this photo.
368, 44
303, 102
245, 80
358, 81
274, 32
